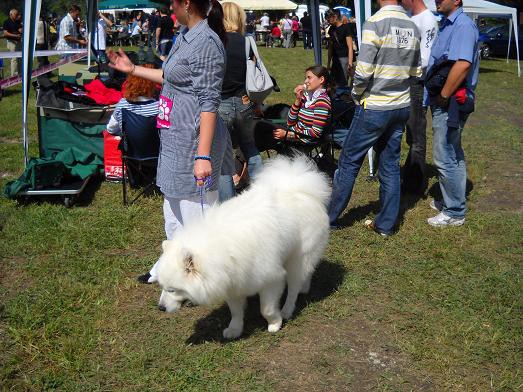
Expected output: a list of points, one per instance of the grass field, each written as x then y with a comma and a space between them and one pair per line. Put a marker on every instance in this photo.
426, 309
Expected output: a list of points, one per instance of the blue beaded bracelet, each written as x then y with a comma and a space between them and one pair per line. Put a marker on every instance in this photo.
203, 157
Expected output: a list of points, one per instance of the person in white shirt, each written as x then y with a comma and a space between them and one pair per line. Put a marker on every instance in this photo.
414, 171
68, 37
265, 21
100, 35
287, 31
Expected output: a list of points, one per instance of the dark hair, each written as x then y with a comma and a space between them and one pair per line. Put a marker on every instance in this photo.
164, 10
320, 71
215, 20
214, 15
74, 7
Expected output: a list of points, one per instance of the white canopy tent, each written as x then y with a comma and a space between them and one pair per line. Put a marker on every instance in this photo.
265, 5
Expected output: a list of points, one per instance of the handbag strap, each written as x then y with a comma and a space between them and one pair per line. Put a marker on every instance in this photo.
250, 44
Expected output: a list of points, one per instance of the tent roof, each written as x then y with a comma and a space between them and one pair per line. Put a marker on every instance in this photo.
265, 5
481, 7
129, 4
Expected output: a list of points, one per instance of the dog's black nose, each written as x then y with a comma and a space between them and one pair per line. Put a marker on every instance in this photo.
162, 308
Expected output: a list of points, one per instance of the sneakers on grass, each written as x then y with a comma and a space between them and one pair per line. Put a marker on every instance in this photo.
443, 220
436, 205
369, 224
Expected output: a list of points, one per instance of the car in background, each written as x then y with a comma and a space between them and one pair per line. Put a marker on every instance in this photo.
494, 42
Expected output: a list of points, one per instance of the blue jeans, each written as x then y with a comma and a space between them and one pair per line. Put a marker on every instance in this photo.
239, 120
382, 129
449, 159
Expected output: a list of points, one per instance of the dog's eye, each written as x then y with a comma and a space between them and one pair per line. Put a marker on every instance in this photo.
170, 290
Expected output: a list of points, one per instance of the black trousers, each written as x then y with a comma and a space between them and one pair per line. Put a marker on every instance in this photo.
414, 170
263, 137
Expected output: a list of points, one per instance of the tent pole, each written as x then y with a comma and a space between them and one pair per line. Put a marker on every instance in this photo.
31, 18
516, 38
509, 37
314, 8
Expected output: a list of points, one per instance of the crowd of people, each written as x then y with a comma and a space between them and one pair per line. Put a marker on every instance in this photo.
405, 64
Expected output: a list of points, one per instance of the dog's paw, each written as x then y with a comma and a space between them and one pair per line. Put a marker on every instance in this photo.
286, 313
275, 327
232, 333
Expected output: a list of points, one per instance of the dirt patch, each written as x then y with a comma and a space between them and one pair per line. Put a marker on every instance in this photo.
350, 354
502, 187
9, 140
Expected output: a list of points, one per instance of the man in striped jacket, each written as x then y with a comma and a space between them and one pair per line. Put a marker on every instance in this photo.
389, 57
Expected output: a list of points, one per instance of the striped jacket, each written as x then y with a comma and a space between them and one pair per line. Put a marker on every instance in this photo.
389, 56
307, 124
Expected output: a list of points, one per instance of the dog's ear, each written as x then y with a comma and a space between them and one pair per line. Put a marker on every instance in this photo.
188, 263
165, 245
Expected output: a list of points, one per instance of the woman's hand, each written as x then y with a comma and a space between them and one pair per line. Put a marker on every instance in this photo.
120, 61
202, 170
298, 91
279, 134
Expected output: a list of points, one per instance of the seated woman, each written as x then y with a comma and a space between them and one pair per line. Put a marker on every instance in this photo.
308, 115
140, 97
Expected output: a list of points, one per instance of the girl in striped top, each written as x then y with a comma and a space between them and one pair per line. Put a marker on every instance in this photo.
140, 97
308, 116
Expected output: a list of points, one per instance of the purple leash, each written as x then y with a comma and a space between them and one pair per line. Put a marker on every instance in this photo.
205, 185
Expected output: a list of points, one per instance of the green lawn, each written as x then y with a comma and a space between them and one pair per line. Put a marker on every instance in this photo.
426, 309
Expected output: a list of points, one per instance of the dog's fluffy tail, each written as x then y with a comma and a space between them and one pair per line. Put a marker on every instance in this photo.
295, 175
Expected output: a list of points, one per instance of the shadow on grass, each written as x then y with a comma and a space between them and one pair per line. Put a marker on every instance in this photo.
483, 70
435, 191
327, 278
83, 199
356, 214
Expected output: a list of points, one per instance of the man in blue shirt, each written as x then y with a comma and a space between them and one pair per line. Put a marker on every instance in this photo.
457, 46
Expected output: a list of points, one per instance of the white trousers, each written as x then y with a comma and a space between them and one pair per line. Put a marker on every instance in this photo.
176, 212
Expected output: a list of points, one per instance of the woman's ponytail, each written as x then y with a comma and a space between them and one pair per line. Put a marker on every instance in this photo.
215, 20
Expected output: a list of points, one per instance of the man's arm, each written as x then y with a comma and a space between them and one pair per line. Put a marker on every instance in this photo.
370, 44
107, 20
11, 36
158, 29
329, 54
350, 45
463, 51
457, 75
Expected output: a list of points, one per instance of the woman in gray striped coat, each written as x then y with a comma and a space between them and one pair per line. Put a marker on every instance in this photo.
195, 144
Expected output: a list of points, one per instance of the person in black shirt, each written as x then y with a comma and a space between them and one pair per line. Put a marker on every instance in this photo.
250, 27
13, 34
153, 24
306, 26
235, 108
341, 49
164, 34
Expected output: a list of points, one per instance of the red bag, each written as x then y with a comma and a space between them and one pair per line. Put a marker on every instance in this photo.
112, 157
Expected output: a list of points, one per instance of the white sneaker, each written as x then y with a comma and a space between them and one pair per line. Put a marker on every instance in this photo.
436, 205
443, 220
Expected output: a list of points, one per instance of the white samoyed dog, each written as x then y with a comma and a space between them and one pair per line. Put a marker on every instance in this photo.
272, 234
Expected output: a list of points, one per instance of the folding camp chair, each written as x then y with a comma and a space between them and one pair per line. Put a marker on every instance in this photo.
140, 149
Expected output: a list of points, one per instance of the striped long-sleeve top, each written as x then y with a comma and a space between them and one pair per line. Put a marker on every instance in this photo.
389, 56
307, 124
146, 107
